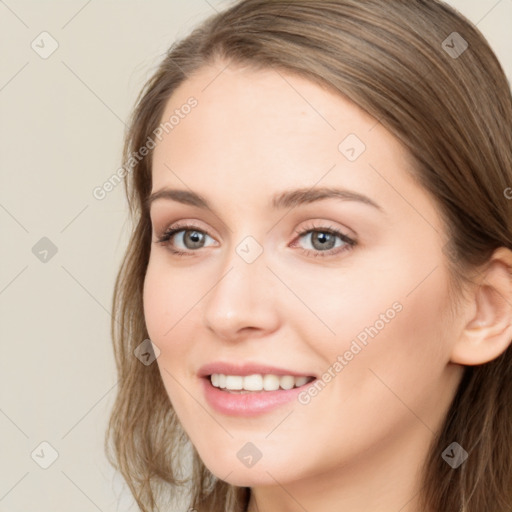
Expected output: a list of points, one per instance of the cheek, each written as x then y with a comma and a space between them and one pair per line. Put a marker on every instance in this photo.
168, 297
171, 302
390, 333
156, 305
405, 361
167, 306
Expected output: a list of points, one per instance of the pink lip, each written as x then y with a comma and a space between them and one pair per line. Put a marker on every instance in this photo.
246, 369
249, 404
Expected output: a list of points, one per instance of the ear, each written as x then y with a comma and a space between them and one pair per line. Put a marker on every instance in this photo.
488, 333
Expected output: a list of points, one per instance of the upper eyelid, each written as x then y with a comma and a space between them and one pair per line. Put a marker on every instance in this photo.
181, 225
186, 224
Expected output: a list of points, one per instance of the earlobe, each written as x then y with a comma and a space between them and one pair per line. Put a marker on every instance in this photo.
489, 332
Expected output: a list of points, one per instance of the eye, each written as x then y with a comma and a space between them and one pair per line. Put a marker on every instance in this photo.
324, 241
187, 237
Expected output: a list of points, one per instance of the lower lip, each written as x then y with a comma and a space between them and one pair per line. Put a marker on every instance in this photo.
248, 404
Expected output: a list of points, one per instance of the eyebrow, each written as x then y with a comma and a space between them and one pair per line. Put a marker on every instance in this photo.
287, 199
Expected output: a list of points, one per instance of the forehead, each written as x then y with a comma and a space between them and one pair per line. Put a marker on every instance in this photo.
254, 132
245, 110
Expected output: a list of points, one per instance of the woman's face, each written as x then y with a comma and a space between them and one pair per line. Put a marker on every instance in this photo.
266, 280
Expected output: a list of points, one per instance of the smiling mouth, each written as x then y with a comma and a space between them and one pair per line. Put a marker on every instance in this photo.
238, 384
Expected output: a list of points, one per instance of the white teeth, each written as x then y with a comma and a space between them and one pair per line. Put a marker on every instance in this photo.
257, 382
300, 381
234, 382
287, 381
270, 382
253, 382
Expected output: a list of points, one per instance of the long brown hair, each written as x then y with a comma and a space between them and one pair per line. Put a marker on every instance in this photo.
429, 76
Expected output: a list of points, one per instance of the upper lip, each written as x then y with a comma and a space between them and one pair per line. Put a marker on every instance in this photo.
246, 369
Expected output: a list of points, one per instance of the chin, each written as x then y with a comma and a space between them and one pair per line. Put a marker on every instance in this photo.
261, 473
249, 477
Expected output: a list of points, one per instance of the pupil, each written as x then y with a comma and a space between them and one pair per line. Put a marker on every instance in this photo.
194, 237
326, 240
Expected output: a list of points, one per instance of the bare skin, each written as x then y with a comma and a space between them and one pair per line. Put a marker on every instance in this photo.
359, 443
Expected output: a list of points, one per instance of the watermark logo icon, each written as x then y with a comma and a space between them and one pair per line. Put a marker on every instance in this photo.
455, 45
351, 147
454, 455
44, 455
147, 352
249, 455
44, 45
44, 250
249, 249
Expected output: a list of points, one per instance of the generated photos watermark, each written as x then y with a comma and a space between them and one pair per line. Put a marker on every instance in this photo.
100, 192
358, 344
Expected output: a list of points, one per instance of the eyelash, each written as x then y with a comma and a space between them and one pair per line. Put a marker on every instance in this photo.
349, 242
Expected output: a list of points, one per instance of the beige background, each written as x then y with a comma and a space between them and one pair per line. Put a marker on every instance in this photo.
61, 127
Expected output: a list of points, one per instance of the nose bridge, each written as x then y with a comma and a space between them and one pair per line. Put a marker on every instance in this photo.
240, 297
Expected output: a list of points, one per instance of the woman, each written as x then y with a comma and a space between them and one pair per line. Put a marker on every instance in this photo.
321, 260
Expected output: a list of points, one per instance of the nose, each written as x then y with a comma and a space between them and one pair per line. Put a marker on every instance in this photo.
242, 301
